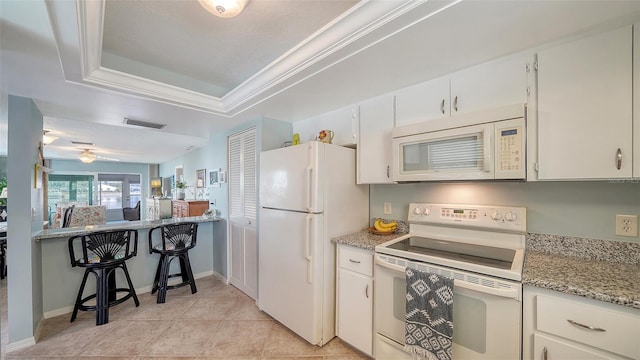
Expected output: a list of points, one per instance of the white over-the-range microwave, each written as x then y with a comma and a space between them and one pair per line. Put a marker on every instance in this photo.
486, 145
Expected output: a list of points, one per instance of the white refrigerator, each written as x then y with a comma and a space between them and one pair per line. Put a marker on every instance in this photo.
308, 195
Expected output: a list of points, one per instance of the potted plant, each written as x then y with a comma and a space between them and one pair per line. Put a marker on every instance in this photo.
180, 186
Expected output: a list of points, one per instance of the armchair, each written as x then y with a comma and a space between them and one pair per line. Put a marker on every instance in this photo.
131, 214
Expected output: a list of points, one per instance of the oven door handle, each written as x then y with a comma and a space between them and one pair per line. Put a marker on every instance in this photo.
512, 293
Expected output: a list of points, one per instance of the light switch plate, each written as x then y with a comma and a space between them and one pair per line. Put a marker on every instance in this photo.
387, 208
627, 225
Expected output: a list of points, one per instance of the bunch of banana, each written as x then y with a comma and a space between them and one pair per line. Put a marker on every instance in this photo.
383, 227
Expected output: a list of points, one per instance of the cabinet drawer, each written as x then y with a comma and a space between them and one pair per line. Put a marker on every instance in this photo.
621, 328
355, 259
546, 347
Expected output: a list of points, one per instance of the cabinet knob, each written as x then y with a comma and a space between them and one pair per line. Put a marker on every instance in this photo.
544, 353
366, 291
388, 172
455, 103
442, 106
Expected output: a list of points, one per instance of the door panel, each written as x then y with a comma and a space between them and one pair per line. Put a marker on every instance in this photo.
585, 107
291, 178
290, 275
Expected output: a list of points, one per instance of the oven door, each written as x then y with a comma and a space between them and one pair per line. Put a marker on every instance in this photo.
486, 311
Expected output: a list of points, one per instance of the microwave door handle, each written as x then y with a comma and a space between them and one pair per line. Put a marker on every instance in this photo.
487, 162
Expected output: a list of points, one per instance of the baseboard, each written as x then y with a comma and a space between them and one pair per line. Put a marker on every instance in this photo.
21, 344
142, 290
36, 334
220, 277
58, 312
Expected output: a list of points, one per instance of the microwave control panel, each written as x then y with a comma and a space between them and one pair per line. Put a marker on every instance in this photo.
510, 151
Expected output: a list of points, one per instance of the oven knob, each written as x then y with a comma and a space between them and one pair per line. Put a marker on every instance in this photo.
510, 216
417, 211
496, 215
426, 211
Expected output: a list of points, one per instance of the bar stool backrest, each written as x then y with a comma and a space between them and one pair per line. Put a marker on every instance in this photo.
104, 248
175, 237
66, 219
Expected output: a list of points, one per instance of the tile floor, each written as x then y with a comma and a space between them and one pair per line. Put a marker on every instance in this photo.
218, 322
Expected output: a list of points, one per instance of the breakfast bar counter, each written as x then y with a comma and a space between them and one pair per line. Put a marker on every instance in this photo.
60, 281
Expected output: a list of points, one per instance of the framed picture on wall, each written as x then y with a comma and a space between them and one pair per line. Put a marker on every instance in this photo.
200, 178
214, 178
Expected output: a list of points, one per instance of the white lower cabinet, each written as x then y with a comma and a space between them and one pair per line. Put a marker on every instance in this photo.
355, 297
562, 326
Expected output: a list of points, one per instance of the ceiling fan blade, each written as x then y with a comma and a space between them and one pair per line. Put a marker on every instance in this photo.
106, 158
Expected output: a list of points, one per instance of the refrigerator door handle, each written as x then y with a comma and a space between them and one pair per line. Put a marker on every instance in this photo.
309, 188
307, 255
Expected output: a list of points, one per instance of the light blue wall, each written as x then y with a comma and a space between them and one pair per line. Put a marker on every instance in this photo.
24, 266
583, 209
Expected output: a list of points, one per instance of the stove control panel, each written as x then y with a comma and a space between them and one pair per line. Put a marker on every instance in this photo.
507, 218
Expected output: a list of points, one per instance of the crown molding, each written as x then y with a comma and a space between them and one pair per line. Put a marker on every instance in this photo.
359, 28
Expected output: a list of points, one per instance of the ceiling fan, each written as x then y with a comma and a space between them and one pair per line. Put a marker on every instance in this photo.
87, 156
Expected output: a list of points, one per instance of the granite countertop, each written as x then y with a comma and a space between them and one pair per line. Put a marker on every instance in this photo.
136, 225
365, 240
598, 269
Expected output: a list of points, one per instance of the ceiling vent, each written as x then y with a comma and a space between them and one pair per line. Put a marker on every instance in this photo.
145, 124
82, 143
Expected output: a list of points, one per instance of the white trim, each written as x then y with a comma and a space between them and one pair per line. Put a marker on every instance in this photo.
350, 33
170, 94
21, 344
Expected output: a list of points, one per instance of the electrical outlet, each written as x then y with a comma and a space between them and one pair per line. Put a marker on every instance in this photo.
627, 225
387, 208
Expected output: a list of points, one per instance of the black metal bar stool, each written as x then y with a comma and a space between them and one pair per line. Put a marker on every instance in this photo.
103, 252
174, 241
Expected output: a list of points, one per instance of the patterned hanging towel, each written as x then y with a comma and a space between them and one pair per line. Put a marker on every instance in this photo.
429, 320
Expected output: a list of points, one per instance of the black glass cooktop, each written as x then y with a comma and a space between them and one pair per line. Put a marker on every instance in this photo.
495, 257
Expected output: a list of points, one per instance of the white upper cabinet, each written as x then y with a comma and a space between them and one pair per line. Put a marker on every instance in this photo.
636, 99
489, 85
424, 101
493, 84
585, 108
374, 140
343, 122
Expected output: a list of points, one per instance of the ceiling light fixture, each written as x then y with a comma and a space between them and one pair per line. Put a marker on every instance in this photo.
48, 139
86, 156
223, 8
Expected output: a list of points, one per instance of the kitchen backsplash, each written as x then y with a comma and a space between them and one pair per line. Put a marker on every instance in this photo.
582, 209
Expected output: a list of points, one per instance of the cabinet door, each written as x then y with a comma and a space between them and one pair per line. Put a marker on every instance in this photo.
374, 141
636, 104
585, 108
547, 347
251, 262
355, 310
493, 84
424, 101
237, 254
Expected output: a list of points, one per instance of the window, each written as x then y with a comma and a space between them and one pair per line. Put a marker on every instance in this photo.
70, 188
116, 191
